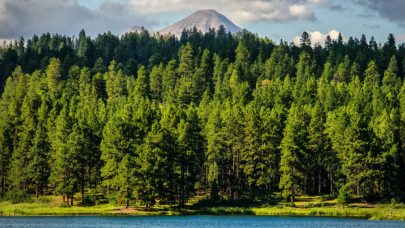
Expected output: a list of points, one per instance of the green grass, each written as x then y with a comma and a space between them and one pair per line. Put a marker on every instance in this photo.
51, 206
304, 206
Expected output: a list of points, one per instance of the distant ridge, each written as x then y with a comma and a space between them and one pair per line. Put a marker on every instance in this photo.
203, 20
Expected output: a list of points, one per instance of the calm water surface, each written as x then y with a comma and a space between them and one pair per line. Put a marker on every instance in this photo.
192, 221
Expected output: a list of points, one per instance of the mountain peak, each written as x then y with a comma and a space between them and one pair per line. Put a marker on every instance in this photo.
203, 20
208, 11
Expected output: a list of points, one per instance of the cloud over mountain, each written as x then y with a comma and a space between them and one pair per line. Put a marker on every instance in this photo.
239, 11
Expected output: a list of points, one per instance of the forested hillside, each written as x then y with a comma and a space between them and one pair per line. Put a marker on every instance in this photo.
154, 118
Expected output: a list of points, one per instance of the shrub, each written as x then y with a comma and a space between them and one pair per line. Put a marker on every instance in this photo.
393, 202
204, 203
278, 198
344, 197
92, 191
287, 194
18, 197
309, 205
89, 201
271, 202
289, 205
312, 212
214, 190
64, 205
327, 197
382, 205
45, 199
279, 207
112, 197
18, 212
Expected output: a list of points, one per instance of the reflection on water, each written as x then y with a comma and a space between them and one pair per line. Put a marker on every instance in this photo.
191, 221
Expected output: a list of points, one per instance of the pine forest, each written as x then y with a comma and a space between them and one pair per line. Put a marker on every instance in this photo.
159, 119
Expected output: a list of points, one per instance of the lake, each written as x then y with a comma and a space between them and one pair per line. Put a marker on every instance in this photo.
200, 221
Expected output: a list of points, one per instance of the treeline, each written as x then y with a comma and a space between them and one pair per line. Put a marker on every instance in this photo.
169, 118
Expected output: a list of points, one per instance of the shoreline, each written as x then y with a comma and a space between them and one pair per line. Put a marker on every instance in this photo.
360, 213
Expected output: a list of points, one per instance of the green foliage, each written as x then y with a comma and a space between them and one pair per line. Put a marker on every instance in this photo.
278, 198
45, 199
327, 197
271, 202
18, 197
64, 205
92, 200
289, 205
112, 197
214, 190
286, 194
393, 202
344, 197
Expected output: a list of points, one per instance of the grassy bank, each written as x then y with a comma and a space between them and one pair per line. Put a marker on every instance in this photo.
305, 206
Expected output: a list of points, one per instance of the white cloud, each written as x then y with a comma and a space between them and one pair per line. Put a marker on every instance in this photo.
318, 37
7, 42
400, 38
26, 17
239, 11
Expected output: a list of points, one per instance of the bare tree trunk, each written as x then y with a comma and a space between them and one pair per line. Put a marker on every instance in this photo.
357, 183
88, 175
233, 174
199, 180
292, 194
71, 198
82, 186
36, 190
3, 183
331, 187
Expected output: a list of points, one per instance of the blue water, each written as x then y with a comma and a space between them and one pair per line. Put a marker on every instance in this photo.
199, 221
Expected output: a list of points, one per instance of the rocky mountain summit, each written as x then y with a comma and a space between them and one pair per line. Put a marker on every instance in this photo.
203, 20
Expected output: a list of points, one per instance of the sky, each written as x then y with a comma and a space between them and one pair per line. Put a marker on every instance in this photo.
275, 19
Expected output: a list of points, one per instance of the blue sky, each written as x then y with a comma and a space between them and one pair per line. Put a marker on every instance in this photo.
276, 19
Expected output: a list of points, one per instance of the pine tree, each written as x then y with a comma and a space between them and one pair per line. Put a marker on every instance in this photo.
99, 66
186, 65
147, 178
293, 152
316, 146
142, 83
38, 167
344, 197
156, 83
118, 141
252, 154
53, 73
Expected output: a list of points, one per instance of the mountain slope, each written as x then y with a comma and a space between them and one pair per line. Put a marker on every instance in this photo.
203, 20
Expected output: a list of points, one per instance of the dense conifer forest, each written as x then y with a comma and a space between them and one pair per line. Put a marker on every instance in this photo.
155, 118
